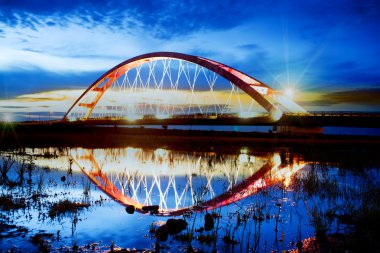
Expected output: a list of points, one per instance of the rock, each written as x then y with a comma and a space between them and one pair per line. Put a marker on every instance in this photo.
130, 209
162, 233
200, 230
63, 178
227, 240
176, 225
209, 222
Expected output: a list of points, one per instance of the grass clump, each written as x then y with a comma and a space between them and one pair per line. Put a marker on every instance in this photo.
41, 240
8, 203
64, 207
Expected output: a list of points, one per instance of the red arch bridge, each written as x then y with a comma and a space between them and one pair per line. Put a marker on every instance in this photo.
166, 85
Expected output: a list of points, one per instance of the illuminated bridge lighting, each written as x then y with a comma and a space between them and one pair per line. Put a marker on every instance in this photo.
164, 85
8, 117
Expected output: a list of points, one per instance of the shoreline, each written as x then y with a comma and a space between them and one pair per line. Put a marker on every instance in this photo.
98, 136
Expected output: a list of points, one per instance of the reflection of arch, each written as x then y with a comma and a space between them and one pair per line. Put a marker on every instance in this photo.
246, 188
249, 85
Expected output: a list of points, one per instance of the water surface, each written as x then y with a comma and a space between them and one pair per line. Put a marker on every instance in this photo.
261, 200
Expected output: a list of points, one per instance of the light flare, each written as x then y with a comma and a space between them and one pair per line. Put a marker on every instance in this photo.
289, 92
276, 115
8, 117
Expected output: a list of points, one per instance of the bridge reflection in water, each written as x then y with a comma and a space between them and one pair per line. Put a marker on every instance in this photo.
181, 182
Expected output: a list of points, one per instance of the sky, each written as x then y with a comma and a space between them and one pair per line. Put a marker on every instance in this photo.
328, 51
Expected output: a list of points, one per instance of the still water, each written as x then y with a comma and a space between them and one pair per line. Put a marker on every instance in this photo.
259, 200
358, 131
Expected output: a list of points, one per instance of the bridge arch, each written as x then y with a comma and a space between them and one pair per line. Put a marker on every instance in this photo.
251, 86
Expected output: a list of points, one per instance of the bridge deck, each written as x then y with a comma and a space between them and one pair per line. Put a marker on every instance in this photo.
314, 119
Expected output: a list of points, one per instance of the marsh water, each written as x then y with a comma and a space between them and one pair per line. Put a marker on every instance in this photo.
259, 200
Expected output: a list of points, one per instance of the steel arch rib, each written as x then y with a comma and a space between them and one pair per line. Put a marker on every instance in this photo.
238, 78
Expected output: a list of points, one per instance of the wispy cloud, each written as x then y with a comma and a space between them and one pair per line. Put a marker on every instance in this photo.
75, 47
162, 18
58, 102
369, 97
346, 100
49, 101
27, 60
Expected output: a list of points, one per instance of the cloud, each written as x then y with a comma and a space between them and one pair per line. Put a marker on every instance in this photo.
28, 60
78, 48
248, 47
279, 42
59, 101
362, 97
68, 48
49, 101
163, 19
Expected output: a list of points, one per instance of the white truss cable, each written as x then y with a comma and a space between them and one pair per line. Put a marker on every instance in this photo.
150, 88
211, 82
228, 98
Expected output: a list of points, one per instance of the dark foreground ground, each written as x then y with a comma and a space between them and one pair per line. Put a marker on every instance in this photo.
92, 136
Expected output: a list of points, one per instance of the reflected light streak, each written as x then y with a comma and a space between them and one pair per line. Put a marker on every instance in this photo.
140, 177
160, 152
271, 172
243, 158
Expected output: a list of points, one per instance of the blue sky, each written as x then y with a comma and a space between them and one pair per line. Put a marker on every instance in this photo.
328, 50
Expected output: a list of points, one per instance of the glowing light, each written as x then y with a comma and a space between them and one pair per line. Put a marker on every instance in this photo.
276, 115
8, 117
160, 152
260, 183
244, 150
162, 116
289, 92
246, 115
243, 158
133, 117
276, 160
285, 174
